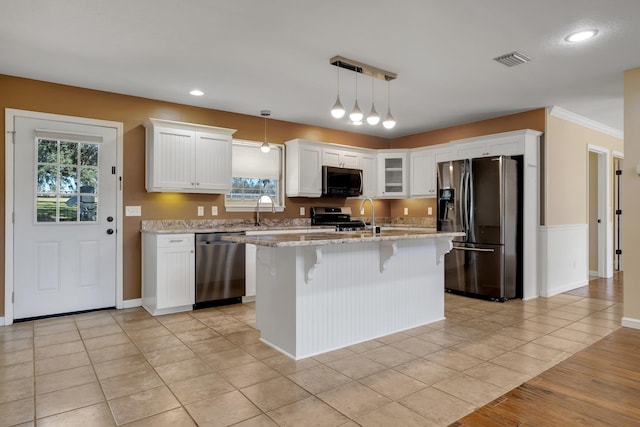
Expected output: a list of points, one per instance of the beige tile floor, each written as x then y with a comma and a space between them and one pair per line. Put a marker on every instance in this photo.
208, 368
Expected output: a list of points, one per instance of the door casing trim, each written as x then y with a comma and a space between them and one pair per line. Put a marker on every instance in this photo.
10, 115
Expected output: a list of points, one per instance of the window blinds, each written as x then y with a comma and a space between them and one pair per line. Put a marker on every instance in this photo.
248, 161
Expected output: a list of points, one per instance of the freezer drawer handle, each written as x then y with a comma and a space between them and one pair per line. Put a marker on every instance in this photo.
473, 249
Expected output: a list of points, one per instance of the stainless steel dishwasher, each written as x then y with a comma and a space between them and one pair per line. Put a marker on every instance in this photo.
220, 269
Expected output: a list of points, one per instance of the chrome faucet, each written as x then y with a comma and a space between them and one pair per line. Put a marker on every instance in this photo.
273, 207
373, 214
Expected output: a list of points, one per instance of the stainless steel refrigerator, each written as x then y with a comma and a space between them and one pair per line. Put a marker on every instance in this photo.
480, 198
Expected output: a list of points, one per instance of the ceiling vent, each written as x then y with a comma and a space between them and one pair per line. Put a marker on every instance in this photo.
512, 59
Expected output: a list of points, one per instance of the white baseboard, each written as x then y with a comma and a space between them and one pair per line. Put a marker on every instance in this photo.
631, 323
2, 321
131, 303
564, 288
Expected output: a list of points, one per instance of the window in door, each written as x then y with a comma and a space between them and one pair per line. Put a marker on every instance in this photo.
67, 181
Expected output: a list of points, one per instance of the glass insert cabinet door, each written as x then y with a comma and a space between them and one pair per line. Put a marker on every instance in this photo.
67, 181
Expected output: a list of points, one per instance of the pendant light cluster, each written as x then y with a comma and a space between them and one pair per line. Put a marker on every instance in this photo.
356, 117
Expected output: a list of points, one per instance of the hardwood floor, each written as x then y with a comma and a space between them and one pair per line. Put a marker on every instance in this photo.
599, 385
606, 289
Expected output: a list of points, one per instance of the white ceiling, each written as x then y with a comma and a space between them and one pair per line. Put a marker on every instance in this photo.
249, 55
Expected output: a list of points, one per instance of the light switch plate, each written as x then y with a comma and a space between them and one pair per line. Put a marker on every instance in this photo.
214, 210
132, 211
302, 211
200, 210
406, 211
429, 211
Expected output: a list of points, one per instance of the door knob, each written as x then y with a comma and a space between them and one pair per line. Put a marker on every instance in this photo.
109, 219
110, 231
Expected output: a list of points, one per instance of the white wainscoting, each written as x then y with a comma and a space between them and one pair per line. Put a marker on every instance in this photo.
563, 258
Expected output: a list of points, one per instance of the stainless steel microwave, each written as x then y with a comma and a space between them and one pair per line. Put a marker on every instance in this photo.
341, 182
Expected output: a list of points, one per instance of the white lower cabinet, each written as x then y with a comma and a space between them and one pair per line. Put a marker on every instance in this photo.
168, 272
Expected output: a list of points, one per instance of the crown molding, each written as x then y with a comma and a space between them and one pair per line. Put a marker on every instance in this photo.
561, 113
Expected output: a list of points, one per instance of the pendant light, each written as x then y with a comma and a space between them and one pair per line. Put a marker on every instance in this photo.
389, 122
265, 147
356, 115
373, 118
338, 110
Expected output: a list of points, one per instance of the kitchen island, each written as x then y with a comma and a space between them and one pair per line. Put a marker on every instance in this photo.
318, 292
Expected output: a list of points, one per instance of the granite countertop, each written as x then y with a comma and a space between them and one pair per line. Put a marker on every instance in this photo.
332, 238
228, 226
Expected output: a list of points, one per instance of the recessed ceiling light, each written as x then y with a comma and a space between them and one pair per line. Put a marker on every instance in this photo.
196, 92
581, 36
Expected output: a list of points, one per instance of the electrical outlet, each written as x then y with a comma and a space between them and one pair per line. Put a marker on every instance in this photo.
302, 211
406, 211
362, 211
200, 210
132, 211
429, 211
214, 211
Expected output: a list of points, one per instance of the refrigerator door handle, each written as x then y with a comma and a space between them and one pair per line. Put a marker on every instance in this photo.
473, 249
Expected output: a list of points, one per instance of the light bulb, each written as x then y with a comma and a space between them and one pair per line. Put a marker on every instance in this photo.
265, 147
356, 115
360, 123
389, 122
373, 118
338, 110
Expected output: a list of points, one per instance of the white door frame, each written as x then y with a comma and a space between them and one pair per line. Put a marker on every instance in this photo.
10, 115
605, 230
618, 155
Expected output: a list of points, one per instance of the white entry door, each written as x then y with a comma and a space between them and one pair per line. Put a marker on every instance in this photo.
65, 200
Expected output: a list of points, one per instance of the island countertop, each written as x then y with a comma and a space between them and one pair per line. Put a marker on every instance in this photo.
332, 238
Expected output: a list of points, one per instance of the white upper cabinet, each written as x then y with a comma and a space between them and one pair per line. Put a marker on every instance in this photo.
304, 168
369, 166
188, 158
392, 174
507, 145
340, 158
423, 177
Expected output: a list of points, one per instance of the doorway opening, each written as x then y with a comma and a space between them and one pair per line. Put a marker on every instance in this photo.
600, 247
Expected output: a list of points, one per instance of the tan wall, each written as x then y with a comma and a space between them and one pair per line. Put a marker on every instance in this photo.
631, 201
40, 96
593, 211
534, 119
566, 163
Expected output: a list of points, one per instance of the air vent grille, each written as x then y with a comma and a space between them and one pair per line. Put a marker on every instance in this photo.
512, 59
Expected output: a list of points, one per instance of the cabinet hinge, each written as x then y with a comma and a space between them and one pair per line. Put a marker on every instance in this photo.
618, 211
13, 136
618, 172
618, 251
12, 299
113, 170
